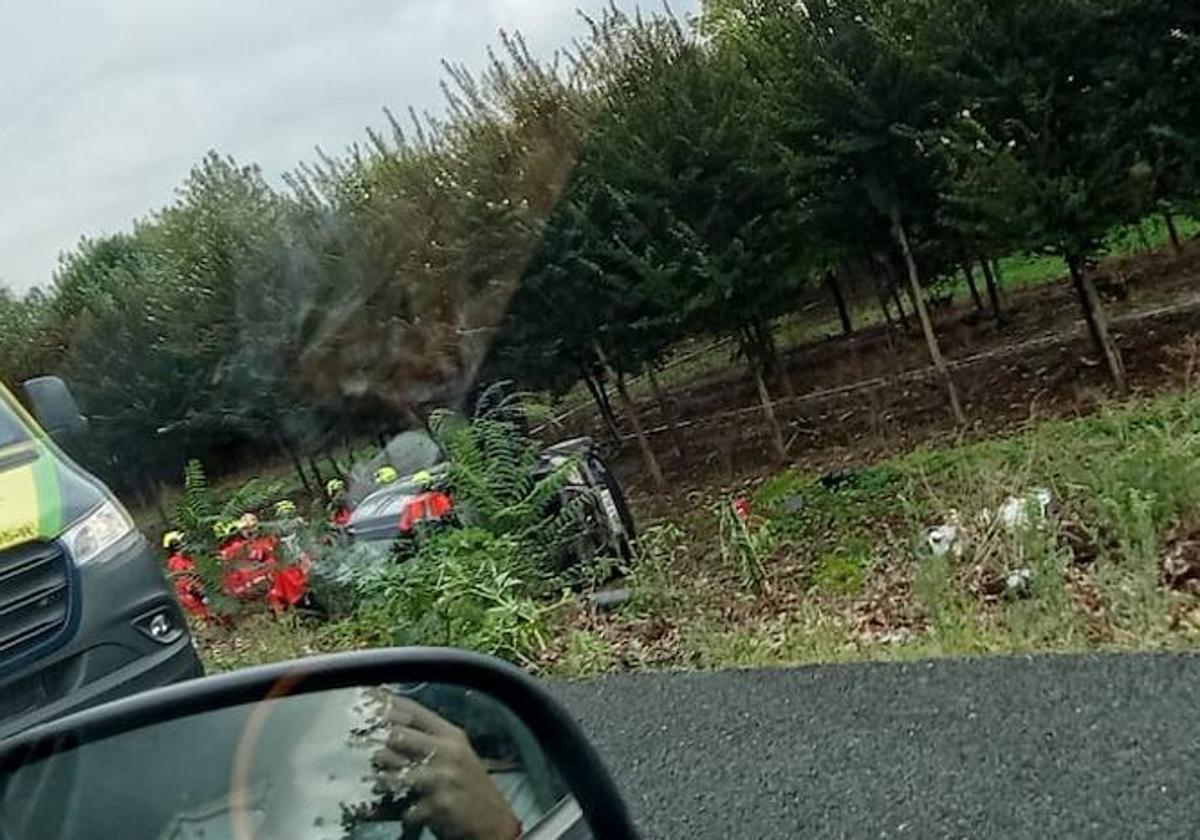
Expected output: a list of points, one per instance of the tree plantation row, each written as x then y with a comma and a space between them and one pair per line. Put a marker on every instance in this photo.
573, 221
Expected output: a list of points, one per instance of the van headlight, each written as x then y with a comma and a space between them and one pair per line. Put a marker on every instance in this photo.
91, 536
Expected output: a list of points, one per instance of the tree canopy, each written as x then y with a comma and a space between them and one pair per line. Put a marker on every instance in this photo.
577, 218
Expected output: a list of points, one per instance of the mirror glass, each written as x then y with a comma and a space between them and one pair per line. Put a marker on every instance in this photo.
55, 408
373, 762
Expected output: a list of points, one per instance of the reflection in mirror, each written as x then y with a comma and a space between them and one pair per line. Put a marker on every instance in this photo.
392, 762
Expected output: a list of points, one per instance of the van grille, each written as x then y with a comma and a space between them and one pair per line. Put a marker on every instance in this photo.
34, 597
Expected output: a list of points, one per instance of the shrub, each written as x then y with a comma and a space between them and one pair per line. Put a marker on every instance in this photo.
492, 479
466, 588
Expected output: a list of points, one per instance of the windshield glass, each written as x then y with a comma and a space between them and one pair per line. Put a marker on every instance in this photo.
11, 429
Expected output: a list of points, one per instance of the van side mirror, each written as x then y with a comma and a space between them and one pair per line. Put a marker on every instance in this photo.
55, 408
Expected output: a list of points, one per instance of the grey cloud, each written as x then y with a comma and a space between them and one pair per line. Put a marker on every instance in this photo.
104, 106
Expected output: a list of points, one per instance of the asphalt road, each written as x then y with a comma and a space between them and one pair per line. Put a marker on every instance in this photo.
1041, 747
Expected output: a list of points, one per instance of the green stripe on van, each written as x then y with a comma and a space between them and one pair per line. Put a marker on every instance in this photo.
49, 497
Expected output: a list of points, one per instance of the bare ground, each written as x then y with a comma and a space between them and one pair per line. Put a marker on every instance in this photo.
872, 394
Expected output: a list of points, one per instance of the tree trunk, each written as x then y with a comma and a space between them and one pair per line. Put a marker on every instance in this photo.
143, 488
918, 302
600, 397
1173, 233
606, 401
767, 339
160, 507
992, 277
635, 420
286, 446
338, 470
885, 309
881, 292
316, 471
768, 406
835, 290
970, 275
665, 410
639, 431
895, 289
1097, 321
1145, 240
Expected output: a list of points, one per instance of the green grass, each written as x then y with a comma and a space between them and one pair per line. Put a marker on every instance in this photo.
1126, 479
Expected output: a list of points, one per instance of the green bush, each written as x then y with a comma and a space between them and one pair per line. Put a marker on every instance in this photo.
465, 588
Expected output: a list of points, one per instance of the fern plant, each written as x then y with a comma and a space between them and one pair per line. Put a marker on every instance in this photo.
491, 465
198, 509
492, 584
193, 513
254, 495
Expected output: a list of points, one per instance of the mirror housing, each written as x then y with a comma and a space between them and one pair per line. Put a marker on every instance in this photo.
593, 795
55, 408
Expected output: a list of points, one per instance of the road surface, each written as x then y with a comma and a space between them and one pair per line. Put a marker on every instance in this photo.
1046, 747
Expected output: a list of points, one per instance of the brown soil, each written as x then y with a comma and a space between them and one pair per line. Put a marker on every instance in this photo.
871, 395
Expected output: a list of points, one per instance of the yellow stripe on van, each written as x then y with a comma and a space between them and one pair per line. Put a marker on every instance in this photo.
19, 508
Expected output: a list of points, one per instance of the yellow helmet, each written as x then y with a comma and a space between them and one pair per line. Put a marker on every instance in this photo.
334, 486
221, 530
172, 539
386, 475
285, 507
423, 478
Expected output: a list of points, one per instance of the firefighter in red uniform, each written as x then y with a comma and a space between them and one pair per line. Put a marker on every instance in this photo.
188, 585
337, 504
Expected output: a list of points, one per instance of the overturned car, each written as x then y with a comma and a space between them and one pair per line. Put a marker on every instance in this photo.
419, 492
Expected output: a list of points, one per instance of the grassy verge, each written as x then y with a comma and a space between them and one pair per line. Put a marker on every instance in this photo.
841, 569
845, 572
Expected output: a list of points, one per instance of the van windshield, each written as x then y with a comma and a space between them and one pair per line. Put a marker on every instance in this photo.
11, 429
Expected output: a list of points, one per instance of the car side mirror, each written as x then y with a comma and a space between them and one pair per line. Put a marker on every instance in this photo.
55, 408
401, 743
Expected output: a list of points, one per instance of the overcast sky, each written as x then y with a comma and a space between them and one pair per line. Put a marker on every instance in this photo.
106, 104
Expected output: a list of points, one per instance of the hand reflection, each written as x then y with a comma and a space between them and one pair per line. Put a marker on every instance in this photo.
431, 761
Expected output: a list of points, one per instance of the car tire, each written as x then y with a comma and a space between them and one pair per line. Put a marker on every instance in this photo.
607, 481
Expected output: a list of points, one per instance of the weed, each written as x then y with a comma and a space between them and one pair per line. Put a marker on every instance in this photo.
584, 654
651, 576
781, 487
805, 636
262, 638
841, 574
746, 548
